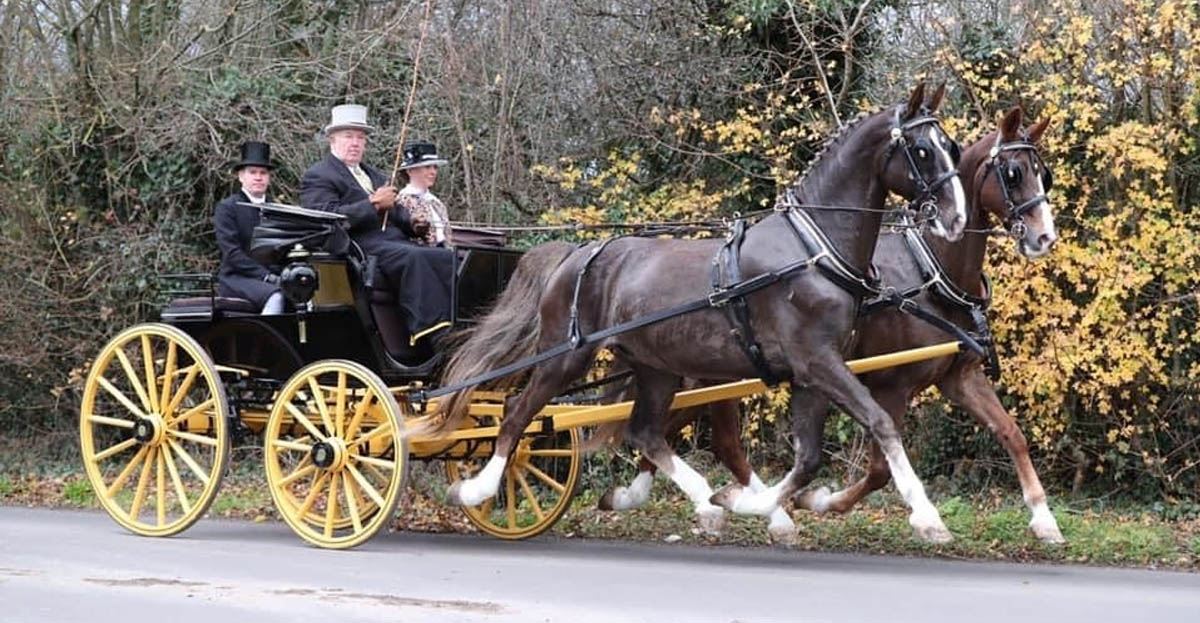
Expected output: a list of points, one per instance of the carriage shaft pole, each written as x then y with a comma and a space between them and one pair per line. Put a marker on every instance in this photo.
569, 416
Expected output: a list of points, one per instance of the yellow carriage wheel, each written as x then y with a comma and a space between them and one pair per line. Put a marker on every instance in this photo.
154, 429
335, 460
536, 488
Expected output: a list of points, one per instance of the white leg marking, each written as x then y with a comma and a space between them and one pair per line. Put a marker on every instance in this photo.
1043, 524
924, 518
762, 502
711, 516
781, 527
484, 485
633, 496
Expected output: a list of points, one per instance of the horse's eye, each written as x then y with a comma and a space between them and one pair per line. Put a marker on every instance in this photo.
1012, 175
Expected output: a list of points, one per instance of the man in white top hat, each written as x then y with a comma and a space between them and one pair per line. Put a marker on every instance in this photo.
343, 183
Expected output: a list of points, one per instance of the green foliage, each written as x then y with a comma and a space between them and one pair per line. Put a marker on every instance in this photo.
79, 493
6, 486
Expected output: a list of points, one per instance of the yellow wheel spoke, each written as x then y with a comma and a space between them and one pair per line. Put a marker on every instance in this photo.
121, 447
365, 485
140, 496
566, 454
352, 502
111, 421
485, 509
133, 379
386, 427
168, 373
193, 437
311, 498
297, 475
121, 398
544, 477
304, 421
162, 488
529, 495
187, 458
370, 460
125, 473
510, 495
184, 387
196, 410
322, 408
291, 445
151, 377
340, 411
175, 479
360, 410
331, 506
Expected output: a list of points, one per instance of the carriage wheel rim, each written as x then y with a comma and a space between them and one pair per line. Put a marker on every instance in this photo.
161, 477
349, 452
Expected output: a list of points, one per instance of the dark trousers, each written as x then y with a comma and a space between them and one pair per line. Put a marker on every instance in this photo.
254, 290
420, 276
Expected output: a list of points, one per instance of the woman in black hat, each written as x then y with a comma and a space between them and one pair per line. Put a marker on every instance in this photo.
241, 276
426, 212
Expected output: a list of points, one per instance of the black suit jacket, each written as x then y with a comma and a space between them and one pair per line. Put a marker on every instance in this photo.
328, 185
240, 275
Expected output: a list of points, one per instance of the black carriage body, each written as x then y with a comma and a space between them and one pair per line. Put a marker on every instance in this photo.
346, 317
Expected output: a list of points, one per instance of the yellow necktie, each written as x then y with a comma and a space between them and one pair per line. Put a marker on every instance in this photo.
362, 178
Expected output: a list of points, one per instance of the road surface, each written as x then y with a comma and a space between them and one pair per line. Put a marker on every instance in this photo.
66, 566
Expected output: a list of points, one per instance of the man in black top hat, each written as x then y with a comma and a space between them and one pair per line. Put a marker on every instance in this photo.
241, 276
343, 183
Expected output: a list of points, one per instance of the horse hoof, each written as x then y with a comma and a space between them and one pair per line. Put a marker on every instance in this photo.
453, 494
937, 534
606, 501
726, 496
782, 534
1047, 532
815, 500
711, 520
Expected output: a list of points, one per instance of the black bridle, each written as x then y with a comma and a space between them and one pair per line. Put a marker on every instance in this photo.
924, 202
1008, 175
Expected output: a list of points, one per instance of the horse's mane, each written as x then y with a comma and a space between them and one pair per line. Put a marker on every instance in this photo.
832, 143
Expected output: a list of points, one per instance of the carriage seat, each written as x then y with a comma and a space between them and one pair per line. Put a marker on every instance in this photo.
206, 307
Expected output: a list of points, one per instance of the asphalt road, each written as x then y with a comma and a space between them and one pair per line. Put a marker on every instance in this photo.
79, 566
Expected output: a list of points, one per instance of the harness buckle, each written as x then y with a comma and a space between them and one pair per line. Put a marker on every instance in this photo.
928, 210
717, 298
1018, 230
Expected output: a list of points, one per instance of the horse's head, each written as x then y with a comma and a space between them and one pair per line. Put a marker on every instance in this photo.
1013, 182
921, 164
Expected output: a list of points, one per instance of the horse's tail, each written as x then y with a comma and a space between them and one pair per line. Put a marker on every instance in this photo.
508, 333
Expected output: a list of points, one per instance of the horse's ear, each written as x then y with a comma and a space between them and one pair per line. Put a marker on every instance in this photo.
937, 98
1038, 129
1010, 126
915, 101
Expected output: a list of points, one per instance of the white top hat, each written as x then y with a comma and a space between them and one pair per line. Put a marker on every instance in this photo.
348, 117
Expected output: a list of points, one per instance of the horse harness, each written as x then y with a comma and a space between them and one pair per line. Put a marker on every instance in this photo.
936, 281
729, 289
1009, 175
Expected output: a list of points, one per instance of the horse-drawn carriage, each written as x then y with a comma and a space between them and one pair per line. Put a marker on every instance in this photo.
335, 393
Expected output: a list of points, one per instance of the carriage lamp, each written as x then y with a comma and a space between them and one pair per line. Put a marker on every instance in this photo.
298, 281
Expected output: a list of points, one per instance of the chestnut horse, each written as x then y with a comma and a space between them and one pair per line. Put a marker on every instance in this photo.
829, 222
1005, 178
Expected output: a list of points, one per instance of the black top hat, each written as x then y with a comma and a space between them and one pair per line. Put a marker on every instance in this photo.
420, 155
255, 154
